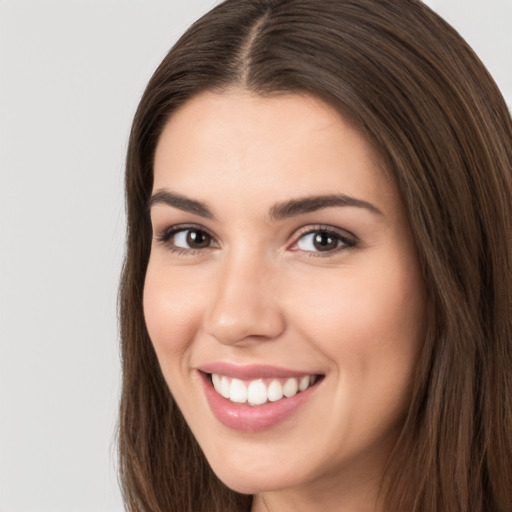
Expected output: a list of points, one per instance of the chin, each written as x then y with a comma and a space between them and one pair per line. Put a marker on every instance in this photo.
246, 481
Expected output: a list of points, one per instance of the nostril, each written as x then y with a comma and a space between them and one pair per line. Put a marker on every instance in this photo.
246, 329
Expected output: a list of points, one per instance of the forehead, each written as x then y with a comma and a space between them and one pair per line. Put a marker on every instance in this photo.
249, 149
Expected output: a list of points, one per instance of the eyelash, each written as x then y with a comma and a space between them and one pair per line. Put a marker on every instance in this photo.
165, 238
347, 240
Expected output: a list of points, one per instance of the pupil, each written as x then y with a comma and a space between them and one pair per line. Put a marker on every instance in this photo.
198, 239
325, 242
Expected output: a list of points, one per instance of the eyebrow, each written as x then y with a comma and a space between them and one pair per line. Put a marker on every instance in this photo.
280, 211
311, 204
181, 202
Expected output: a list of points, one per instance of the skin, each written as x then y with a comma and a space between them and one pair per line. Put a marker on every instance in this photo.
262, 293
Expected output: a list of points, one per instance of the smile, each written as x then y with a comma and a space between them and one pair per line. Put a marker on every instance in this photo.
262, 390
258, 397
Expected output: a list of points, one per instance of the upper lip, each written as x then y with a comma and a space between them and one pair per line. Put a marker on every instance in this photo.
250, 372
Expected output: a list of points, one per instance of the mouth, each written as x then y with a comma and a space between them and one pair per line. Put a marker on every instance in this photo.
260, 391
256, 398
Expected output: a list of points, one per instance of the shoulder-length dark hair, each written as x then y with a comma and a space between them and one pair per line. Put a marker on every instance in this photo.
436, 118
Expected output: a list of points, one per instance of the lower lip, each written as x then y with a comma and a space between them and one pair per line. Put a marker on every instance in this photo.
249, 418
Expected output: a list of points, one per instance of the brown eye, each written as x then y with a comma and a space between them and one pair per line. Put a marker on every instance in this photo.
197, 239
325, 242
190, 238
321, 240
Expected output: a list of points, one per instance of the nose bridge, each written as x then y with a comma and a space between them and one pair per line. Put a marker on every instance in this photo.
245, 307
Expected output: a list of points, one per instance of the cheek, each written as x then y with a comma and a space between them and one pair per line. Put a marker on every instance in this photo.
172, 313
370, 324
362, 309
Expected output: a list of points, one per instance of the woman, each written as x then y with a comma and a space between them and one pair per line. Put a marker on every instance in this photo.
317, 295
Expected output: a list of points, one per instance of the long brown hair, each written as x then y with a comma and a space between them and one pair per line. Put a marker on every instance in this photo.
436, 118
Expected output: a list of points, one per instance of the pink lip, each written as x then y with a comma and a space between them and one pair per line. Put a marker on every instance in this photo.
250, 372
246, 418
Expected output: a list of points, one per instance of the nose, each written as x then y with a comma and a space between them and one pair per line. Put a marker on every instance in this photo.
245, 308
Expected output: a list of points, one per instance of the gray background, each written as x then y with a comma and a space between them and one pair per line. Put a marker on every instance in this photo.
71, 73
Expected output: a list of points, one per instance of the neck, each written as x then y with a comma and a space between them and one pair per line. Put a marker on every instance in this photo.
343, 496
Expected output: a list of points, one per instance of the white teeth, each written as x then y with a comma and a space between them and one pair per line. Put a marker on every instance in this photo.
256, 392
216, 379
290, 388
304, 383
237, 392
224, 387
275, 391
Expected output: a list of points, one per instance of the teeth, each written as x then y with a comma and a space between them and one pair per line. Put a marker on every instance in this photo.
290, 388
216, 379
259, 391
304, 383
275, 391
238, 392
224, 387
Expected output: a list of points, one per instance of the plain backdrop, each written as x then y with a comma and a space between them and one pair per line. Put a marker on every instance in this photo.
71, 74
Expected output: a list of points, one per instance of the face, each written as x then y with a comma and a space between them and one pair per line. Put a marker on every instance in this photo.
283, 294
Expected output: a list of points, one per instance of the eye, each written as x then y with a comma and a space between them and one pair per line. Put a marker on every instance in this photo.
192, 239
323, 240
186, 239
